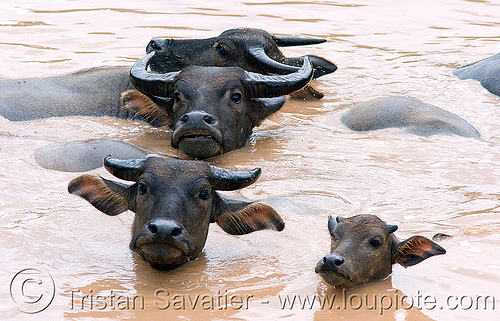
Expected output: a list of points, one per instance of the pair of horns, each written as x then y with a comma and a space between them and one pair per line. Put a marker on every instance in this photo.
261, 86
221, 179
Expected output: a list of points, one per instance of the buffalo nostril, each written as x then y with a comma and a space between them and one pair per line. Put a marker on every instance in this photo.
332, 261
208, 119
176, 231
338, 261
155, 44
184, 119
153, 228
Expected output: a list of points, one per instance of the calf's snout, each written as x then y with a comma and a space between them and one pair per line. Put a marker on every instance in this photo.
163, 232
330, 262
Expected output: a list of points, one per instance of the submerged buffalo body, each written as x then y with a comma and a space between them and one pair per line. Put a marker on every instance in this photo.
211, 110
174, 202
86, 155
89, 92
408, 113
486, 71
96, 91
364, 248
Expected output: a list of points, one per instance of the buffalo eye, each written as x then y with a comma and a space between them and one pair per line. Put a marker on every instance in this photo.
222, 50
236, 98
142, 188
375, 243
204, 194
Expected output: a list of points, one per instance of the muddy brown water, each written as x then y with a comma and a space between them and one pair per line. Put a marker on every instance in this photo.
312, 165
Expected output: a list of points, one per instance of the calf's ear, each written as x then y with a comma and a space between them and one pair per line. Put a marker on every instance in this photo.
239, 217
107, 196
416, 249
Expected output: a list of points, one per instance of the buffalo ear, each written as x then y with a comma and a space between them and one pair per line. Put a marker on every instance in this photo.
307, 93
145, 108
239, 217
265, 107
416, 249
107, 196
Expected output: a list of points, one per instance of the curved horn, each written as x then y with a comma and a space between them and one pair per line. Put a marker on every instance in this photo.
228, 180
268, 64
331, 224
126, 169
289, 41
392, 228
321, 65
149, 83
266, 86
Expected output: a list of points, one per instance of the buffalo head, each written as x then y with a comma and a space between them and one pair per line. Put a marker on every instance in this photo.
211, 110
174, 202
364, 248
251, 49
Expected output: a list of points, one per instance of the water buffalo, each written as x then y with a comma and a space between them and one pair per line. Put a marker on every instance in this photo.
96, 91
364, 248
174, 202
254, 50
486, 71
408, 113
213, 109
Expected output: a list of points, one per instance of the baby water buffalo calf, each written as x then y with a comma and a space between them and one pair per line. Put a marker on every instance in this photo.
174, 202
364, 249
408, 113
486, 71
212, 110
